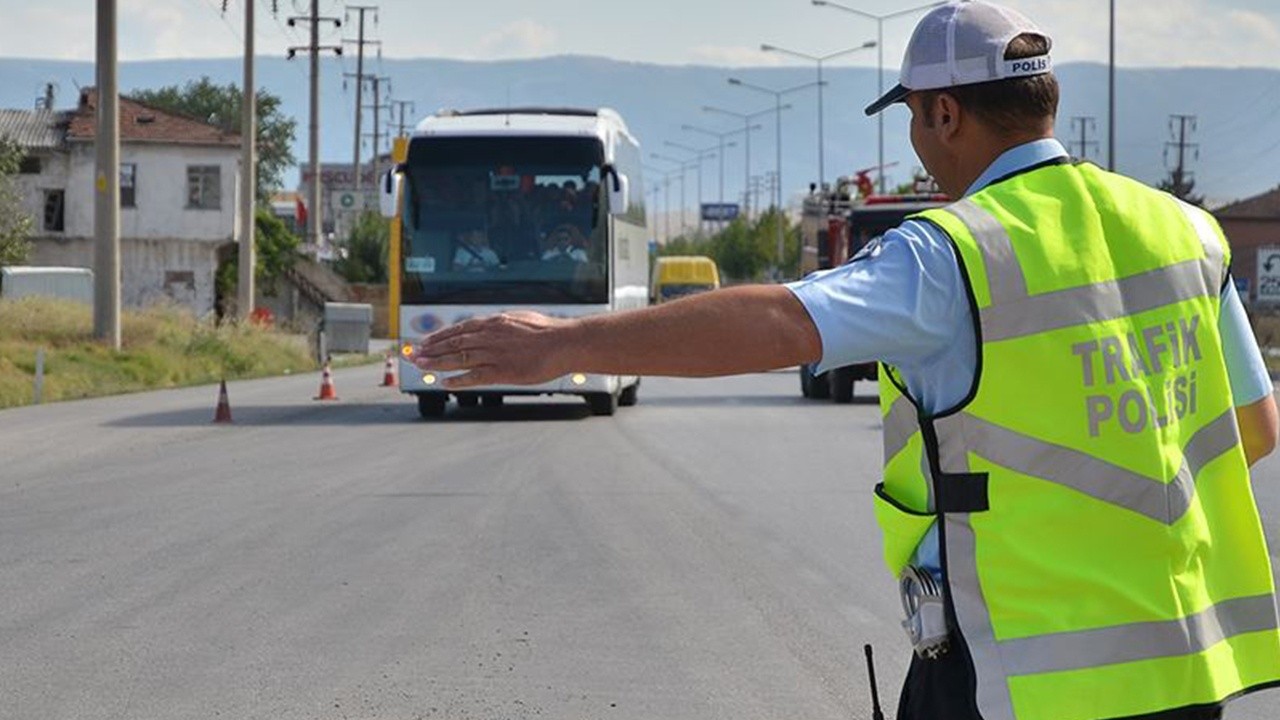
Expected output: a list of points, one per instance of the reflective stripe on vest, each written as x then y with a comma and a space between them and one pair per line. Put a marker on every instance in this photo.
1113, 562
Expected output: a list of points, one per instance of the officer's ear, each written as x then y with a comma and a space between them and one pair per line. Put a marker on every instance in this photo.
947, 114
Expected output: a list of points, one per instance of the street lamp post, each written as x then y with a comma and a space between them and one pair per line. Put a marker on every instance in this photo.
1111, 93
879, 62
666, 201
777, 96
697, 155
720, 136
684, 167
747, 127
819, 59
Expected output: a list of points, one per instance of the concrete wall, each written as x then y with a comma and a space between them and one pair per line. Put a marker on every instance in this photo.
161, 193
291, 308
54, 171
161, 210
379, 297
152, 270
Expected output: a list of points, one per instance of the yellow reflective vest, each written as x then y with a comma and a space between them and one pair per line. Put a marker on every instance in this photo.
1102, 552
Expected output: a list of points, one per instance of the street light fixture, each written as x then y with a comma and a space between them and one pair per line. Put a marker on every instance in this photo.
720, 136
747, 127
698, 155
684, 167
819, 59
777, 96
666, 202
879, 60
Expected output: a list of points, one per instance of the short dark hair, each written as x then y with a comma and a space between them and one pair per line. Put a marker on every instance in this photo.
1008, 106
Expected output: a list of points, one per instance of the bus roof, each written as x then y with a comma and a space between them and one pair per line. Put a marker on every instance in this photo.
572, 122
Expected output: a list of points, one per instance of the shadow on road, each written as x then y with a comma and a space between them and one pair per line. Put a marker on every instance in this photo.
745, 401
352, 414
522, 412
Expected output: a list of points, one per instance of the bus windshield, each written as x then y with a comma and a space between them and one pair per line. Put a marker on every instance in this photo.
504, 220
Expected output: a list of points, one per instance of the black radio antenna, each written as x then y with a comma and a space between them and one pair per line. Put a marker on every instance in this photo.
876, 713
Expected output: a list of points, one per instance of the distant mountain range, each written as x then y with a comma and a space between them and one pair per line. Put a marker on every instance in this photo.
1237, 134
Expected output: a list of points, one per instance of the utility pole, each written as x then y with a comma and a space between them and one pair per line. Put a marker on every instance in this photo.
401, 105
1085, 123
1181, 178
313, 125
360, 42
376, 107
106, 199
1111, 93
248, 173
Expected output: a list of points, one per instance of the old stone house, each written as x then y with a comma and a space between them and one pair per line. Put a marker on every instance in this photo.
178, 191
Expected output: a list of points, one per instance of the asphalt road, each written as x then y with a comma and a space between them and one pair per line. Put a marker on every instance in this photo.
710, 553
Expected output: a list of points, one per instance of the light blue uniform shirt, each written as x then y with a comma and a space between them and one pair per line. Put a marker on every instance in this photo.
902, 301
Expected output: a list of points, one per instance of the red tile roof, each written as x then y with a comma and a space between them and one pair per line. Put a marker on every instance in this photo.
140, 122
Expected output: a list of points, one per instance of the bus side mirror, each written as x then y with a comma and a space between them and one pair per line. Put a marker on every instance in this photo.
619, 194
389, 192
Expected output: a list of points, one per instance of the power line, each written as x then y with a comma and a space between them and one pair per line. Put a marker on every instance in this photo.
1086, 124
377, 106
360, 77
401, 105
212, 5
314, 19
1181, 179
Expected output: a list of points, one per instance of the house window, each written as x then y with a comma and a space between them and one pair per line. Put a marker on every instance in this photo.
204, 187
53, 210
29, 165
128, 176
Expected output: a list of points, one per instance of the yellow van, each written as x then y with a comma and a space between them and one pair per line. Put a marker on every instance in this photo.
679, 275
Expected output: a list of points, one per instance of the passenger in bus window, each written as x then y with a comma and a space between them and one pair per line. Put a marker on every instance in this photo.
474, 253
565, 242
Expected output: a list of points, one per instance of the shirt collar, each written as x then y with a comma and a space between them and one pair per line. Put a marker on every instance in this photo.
1018, 158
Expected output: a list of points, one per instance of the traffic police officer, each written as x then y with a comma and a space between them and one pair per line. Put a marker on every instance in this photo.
1071, 399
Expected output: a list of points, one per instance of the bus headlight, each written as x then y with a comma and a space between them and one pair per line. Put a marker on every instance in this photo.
429, 379
578, 379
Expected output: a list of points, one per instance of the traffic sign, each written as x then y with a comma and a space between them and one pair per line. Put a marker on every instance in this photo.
1269, 274
719, 212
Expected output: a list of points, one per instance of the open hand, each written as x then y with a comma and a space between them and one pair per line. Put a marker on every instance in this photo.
514, 348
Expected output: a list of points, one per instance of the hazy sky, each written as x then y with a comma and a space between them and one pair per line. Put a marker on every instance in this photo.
1159, 33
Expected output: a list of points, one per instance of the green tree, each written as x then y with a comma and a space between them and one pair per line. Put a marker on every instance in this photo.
275, 249
685, 245
745, 250
1182, 187
363, 257
15, 224
220, 105
737, 250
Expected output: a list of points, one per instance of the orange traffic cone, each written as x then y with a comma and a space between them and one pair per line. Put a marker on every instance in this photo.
327, 390
223, 413
389, 372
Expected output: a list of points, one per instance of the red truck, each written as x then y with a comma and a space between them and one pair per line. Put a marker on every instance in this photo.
836, 224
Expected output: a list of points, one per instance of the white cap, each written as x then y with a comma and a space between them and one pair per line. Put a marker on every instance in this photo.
963, 43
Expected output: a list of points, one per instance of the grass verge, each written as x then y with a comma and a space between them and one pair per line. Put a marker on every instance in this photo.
162, 347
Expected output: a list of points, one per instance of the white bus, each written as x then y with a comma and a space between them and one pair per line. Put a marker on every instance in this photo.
510, 209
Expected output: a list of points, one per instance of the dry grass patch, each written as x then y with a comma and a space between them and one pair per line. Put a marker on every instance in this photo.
162, 347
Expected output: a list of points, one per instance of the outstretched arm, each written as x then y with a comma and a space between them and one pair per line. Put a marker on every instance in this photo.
723, 332
1259, 425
